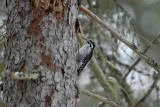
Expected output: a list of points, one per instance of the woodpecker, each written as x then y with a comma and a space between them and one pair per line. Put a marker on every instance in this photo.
84, 55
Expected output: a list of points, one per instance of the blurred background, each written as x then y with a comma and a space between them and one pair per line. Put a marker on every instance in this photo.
138, 21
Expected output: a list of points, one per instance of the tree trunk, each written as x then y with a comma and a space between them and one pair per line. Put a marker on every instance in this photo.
41, 33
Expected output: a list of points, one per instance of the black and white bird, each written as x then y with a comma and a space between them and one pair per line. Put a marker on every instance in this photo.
84, 55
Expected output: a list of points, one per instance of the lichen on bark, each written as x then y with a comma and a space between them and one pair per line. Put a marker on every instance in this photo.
40, 35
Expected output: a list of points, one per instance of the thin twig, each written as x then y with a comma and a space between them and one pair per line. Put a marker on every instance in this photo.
130, 69
100, 75
149, 91
98, 97
19, 75
108, 39
142, 37
120, 37
132, 66
107, 62
116, 71
100, 55
35, 74
2, 40
4, 24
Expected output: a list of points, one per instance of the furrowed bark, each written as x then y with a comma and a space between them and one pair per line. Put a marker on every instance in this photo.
41, 33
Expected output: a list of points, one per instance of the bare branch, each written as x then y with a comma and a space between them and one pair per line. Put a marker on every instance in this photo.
98, 97
149, 91
19, 75
130, 69
133, 65
35, 74
3, 25
120, 37
108, 62
100, 75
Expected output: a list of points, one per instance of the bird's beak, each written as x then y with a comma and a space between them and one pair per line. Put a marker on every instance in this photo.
85, 39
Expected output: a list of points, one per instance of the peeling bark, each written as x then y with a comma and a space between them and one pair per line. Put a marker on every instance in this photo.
41, 33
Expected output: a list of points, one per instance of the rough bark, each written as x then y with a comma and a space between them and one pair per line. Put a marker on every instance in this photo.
41, 33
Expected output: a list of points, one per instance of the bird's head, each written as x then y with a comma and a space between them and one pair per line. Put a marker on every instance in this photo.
91, 43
